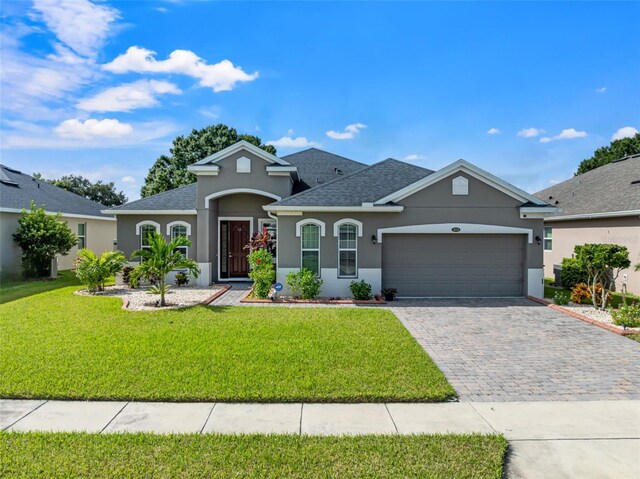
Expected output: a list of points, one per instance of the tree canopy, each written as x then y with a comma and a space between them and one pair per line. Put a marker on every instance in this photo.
169, 172
103, 193
614, 151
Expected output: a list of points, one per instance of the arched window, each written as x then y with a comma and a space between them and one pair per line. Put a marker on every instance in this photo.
310, 247
145, 231
180, 230
347, 250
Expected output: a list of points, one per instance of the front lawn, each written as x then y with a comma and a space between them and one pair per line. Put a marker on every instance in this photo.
59, 345
10, 290
62, 455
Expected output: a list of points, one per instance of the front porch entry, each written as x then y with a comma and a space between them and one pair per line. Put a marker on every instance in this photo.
234, 235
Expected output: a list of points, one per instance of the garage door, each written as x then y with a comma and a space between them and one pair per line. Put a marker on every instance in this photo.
426, 265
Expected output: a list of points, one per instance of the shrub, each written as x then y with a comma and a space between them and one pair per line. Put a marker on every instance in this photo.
126, 275
571, 273
41, 237
262, 272
561, 298
94, 271
603, 263
627, 316
182, 279
361, 290
389, 293
581, 294
304, 284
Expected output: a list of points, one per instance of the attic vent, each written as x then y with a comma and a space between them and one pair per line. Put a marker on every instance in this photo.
635, 182
337, 171
460, 186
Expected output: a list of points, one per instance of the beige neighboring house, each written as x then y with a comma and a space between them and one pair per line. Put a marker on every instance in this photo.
95, 230
600, 206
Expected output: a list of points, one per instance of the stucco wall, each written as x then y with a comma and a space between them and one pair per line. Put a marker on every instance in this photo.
100, 235
129, 241
622, 231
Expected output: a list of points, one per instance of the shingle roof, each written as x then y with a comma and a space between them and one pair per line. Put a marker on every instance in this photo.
17, 190
609, 188
182, 198
316, 167
364, 186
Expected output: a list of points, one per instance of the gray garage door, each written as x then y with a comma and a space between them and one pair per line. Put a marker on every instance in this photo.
426, 265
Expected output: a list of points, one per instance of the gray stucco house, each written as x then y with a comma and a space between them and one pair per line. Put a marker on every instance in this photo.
456, 232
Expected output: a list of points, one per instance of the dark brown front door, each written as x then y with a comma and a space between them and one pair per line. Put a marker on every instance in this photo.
238, 239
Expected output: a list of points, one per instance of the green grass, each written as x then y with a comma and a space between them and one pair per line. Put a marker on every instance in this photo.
635, 337
63, 455
616, 298
10, 290
59, 345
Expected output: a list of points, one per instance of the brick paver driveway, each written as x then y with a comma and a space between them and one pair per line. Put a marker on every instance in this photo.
517, 350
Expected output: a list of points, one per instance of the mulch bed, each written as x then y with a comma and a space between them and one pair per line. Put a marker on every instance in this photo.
376, 301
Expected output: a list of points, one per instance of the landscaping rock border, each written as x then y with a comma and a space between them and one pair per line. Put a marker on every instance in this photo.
371, 302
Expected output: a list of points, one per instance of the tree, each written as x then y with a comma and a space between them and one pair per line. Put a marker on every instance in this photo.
41, 237
603, 263
158, 260
169, 172
103, 193
606, 154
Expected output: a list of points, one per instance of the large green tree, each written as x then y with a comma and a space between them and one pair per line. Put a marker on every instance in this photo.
614, 151
103, 193
169, 172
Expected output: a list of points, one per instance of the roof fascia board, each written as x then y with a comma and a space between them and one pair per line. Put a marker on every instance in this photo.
242, 144
150, 212
588, 216
320, 209
466, 167
64, 215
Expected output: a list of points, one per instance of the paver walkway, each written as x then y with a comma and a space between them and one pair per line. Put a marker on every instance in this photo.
517, 350
547, 439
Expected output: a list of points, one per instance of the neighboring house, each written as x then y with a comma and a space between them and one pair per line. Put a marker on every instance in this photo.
459, 231
95, 230
600, 206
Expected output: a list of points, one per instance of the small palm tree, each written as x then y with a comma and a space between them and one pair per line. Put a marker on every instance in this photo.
159, 259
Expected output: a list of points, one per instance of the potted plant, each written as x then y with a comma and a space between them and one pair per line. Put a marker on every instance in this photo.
389, 294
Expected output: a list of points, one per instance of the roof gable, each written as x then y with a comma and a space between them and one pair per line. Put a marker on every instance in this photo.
464, 167
241, 145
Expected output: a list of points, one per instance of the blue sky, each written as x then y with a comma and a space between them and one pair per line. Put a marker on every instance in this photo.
524, 90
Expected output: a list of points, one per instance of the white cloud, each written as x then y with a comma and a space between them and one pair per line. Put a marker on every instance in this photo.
566, 134
414, 157
213, 112
493, 131
162, 9
221, 76
624, 132
130, 96
349, 132
128, 179
81, 25
90, 129
601, 89
530, 132
290, 142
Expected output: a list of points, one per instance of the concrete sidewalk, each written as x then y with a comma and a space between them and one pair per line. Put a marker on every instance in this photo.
587, 439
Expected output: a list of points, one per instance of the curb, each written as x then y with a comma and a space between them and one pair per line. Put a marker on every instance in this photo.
217, 294
586, 319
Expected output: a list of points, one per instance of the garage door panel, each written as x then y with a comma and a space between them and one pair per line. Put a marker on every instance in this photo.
447, 265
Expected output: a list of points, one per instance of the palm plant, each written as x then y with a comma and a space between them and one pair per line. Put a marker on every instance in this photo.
159, 259
94, 271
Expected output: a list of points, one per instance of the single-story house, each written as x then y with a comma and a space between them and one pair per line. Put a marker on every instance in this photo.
599, 206
456, 232
94, 229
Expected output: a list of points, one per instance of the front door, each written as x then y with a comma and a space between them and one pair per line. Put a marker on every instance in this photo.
238, 239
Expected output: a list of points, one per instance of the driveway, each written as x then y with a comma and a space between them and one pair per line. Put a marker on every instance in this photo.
517, 350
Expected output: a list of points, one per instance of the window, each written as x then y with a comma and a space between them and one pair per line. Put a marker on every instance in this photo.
176, 231
272, 229
348, 251
243, 165
460, 186
548, 238
82, 235
310, 242
145, 231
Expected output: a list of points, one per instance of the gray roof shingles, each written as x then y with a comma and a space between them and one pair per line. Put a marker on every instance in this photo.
316, 167
182, 198
17, 190
364, 186
609, 188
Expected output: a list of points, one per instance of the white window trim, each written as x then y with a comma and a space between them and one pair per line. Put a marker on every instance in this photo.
302, 250
314, 221
358, 235
147, 222
339, 223
460, 186
178, 223
544, 238
243, 165
84, 236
